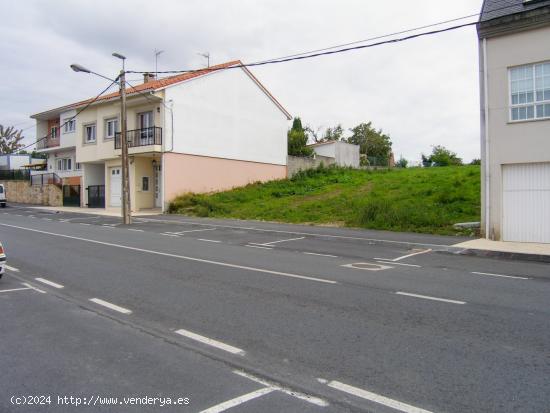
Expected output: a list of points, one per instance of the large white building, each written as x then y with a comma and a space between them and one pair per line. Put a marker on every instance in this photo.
196, 132
514, 40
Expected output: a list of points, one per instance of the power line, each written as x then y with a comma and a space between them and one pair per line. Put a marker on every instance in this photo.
72, 117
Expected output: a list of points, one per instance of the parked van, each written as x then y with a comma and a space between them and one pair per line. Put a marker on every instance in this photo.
2, 196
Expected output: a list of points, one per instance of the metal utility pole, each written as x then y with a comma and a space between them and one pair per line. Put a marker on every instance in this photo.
157, 53
206, 56
126, 210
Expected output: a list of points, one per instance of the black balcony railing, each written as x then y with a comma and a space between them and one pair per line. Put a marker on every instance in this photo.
141, 137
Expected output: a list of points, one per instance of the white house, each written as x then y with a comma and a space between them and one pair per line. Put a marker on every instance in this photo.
343, 153
514, 42
201, 131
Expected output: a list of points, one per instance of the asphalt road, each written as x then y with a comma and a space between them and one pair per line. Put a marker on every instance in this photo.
266, 317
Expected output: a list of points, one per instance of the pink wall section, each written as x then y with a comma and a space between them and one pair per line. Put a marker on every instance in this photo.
191, 173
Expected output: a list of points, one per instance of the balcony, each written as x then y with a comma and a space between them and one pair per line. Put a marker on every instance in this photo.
51, 141
141, 137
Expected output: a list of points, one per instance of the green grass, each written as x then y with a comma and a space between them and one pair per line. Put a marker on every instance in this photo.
426, 200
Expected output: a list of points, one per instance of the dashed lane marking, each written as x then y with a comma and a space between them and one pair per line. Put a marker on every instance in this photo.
111, 306
15, 289
208, 240
258, 246
48, 282
397, 263
7, 267
500, 275
321, 255
211, 342
428, 297
34, 288
276, 242
229, 404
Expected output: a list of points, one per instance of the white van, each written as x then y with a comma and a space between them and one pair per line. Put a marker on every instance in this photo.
2, 196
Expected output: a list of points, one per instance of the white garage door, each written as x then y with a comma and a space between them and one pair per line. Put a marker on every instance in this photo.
116, 187
526, 202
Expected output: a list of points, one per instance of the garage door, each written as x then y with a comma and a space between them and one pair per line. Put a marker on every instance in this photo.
526, 202
116, 187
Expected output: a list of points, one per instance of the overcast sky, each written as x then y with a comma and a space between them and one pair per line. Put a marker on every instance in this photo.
421, 92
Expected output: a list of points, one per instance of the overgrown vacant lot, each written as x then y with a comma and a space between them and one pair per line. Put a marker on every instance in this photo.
427, 200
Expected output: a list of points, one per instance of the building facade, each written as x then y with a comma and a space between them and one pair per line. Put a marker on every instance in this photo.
197, 132
514, 38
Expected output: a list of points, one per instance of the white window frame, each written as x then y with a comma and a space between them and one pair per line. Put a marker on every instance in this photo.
107, 122
533, 90
77, 166
64, 164
86, 140
54, 132
69, 125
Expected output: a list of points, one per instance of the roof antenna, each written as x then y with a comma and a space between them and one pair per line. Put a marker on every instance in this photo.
157, 53
206, 56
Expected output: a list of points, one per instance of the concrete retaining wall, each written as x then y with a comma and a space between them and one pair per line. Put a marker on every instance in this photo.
296, 163
22, 191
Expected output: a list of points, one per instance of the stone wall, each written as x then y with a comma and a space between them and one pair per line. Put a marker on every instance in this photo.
296, 163
24, 192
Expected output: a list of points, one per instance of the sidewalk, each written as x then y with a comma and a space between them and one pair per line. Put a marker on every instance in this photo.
514, 250
110, 212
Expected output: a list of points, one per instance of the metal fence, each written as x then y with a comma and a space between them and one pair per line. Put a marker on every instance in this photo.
15, 174
46, 179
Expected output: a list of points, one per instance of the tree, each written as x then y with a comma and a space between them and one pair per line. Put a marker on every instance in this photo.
476, 161
371, 142
402, 163
333, 134
10, 139
297, 140
441, 156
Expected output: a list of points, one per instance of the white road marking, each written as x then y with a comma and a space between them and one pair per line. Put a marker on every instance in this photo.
376, 398
46, 219
276, 242
396, 263
211, 342
208, 240
83, 223
321, 255
34, 288
290, 392
7, 267
238, 400
111, 306
170, 235
427, 297
18, 215
51, 283
258, 246
70, 219
410, 255
15, 289
193, 230
367, 266
500, 275
182, 257
136, 230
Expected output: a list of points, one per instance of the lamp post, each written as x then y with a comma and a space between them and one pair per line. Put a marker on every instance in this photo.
126, 210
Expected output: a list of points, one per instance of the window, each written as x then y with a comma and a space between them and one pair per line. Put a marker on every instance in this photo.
530, 92
77, 166
145, 183
111, 127
69, 125
64, 164
89, 133
53, 132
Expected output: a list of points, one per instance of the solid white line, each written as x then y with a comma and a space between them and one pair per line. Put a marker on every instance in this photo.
411, 255
182, 257
427, 297
211, 342
258, 246
7, 267
321, 255
34, 288
396, 263
208, 240
43, 280
376, 398
83, 223
170, 235
193, 230
111, 306
275, 242
500, 275
15, 289
238, 400
298, 395
136, 230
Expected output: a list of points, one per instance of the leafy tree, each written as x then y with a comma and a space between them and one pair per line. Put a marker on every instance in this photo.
333, 134
10, 139
441, 156
34, 154
475, 162
297, 140
371, 142
402, 163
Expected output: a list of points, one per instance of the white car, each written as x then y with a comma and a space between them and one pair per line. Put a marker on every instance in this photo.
2, 260
2, 196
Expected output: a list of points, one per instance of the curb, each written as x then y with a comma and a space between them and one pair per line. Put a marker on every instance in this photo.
518, 256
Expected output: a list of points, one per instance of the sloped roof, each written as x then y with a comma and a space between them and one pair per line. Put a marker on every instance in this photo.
493, 9
158, 84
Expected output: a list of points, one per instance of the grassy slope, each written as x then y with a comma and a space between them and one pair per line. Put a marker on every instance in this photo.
418, 199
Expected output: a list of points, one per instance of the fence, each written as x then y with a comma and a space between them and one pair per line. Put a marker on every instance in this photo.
15, 174
46, 179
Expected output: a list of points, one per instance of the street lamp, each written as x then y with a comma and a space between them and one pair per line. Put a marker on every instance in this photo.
126, 210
